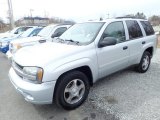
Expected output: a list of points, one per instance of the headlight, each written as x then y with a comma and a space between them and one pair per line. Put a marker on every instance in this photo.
15, 47
34, 74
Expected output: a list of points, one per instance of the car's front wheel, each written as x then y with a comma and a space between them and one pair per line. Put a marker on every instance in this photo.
144, 63
72, 90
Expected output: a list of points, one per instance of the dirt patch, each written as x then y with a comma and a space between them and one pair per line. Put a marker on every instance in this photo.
111, 99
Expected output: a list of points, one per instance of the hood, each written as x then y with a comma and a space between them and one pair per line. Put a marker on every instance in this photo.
42, 54
26, 40
8, 39
6, 35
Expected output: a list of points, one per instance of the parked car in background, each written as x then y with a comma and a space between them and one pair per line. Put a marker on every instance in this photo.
4, 43
15, 32
46, 34
63, 71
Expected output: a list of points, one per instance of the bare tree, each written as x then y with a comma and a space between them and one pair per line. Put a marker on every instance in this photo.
1, 21
140, 15
2, 25
100, 19
155, 20
137, 15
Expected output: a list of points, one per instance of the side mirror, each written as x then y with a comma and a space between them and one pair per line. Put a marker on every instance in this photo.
34, 35
16, 32
107, 41
57, 34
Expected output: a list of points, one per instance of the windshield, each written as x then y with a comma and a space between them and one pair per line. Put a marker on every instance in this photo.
82, 33
19, 30
46, 31
26, 33
13, 31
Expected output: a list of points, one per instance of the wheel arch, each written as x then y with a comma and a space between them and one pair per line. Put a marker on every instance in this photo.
84, 69
150, 50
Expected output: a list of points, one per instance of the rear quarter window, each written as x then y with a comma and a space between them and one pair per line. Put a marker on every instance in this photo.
147, 27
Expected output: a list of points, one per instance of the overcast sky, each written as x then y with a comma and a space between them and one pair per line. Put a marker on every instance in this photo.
80, 10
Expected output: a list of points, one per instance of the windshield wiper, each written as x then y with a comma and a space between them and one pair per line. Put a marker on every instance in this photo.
60, 40
77, 42
42, 41
39, 35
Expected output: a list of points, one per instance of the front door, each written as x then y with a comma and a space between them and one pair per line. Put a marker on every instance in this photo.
115, 57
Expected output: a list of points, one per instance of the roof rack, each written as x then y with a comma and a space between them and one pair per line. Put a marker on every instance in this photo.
130, 17
126, 17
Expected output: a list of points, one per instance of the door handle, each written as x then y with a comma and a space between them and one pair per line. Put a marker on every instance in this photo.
144, 42
125, 47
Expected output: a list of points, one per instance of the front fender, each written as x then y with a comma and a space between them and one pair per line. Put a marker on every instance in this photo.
56, 73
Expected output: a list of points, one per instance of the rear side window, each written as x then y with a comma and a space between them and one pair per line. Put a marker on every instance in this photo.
133, 29
147, 27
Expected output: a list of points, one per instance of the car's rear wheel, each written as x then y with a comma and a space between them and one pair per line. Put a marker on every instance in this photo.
144, 63
72, 90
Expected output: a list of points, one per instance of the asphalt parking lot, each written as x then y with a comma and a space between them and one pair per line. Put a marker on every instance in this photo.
125, 95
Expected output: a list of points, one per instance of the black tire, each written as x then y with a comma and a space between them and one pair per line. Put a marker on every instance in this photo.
61, 87
140, 68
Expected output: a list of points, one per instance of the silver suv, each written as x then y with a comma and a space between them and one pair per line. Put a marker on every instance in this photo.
63, 70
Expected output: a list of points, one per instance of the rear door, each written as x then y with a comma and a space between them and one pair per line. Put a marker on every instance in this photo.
135, 40
115, 57
150, 37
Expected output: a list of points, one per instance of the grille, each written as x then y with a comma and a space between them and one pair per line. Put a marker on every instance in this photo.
18, 68
11, 47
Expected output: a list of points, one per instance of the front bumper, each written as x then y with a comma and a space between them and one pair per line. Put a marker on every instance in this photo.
9, 55
34, 93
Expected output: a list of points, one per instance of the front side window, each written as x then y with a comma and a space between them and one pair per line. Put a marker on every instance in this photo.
60, 31
133, 29
147, 27
19, 30
116, 30
22, 29
83, 33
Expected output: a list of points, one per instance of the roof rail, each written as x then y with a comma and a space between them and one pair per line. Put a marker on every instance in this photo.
64, 24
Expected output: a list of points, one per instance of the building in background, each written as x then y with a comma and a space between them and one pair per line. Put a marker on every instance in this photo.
39, 21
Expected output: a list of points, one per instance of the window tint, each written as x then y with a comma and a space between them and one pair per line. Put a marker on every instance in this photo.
60, 30
133, 29
115, 29
147, 27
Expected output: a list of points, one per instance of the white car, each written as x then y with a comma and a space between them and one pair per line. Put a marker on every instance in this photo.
63, 71
46, 34
15, 32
